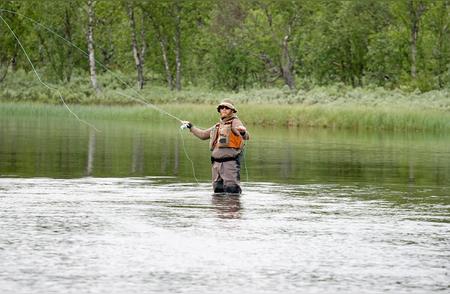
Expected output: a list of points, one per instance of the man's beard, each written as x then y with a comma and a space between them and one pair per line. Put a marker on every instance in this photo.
227, 116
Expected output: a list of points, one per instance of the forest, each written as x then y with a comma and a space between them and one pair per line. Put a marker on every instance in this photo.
229, 45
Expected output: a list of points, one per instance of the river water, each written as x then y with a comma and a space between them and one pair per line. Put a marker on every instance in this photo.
121, 211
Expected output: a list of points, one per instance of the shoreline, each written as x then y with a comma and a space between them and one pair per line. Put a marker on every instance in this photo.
351, 116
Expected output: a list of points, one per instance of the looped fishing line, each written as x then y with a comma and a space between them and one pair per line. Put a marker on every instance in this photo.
141, 99
41, 81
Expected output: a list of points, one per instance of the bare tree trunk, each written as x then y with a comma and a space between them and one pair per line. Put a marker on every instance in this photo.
90, 39
163, 44
138, 58
273, 71
178, 46
415, 12
144, 42
287, 65
169, 77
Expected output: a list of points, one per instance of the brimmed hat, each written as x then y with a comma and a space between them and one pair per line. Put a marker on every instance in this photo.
227, 103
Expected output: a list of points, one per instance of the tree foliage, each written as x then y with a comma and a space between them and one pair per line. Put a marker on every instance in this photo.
238, 44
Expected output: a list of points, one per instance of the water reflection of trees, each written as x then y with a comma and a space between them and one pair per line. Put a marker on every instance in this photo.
52, 147
137, 162
166, 157
91, 153
135, 153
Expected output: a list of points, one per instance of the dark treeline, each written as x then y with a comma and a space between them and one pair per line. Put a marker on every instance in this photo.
234, 44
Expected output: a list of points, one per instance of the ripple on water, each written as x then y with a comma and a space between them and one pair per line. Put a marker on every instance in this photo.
125, 235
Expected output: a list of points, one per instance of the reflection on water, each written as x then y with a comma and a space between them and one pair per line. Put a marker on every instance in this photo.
227, 206
140, 235
350, 211
91, 153
64, 149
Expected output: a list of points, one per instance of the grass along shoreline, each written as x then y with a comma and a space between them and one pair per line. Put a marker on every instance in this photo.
333, 106
349, 116
24, 87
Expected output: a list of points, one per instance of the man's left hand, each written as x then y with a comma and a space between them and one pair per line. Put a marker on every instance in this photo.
241, 129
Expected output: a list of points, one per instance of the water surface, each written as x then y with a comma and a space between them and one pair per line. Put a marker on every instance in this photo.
120, 211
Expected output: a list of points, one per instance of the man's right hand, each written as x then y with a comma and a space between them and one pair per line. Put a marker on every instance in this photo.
187, 123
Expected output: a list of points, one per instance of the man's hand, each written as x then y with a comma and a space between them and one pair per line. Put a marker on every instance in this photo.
187, 123
241, 129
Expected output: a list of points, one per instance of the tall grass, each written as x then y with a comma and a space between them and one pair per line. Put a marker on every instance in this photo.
322, 116
336, 106
349, 117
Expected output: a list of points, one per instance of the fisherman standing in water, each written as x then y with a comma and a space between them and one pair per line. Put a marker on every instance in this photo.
226, 142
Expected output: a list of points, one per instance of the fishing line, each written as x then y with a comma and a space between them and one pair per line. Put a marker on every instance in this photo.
180, 130
149, 105
41, 81
187, 156
245, 164
142, 99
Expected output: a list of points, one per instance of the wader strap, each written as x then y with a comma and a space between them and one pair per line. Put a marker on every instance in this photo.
223, 159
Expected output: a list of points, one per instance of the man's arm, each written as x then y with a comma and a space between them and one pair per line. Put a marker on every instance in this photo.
199, 133
239, 128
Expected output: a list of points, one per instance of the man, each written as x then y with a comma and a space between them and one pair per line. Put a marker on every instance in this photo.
226, 142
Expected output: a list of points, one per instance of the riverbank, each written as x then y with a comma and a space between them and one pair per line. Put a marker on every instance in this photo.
323, 116
24, 87
334, 106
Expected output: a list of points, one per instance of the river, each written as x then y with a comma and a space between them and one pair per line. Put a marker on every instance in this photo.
130, 209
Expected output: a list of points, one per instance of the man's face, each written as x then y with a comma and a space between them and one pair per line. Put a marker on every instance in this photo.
224, 111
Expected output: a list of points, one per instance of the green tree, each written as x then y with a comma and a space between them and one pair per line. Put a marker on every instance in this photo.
338, 40
8, 46
437, 20
138, 48
56, 58
231, 58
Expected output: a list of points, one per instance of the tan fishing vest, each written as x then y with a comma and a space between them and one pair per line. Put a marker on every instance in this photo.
223, 137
